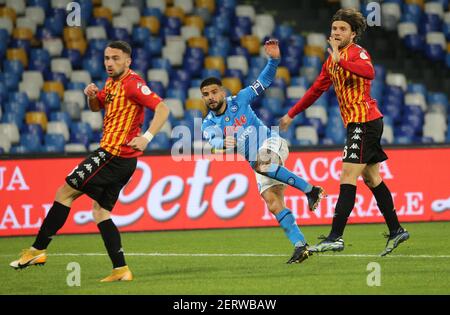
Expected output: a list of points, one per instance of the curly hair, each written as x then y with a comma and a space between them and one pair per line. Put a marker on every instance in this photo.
352, 17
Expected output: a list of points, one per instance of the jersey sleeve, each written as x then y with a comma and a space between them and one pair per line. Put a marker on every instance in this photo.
359, 63
265, 79
101, 97
213, 134
138, 91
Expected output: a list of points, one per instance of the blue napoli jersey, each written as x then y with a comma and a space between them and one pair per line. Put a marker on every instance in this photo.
239, 119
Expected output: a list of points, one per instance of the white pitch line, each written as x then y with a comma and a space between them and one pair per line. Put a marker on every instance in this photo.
244, 255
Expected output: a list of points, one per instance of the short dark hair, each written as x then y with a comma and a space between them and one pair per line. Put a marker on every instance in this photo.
352, 17
210, 81
120, 44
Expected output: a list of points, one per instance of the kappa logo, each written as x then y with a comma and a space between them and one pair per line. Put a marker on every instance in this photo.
96, 160
81, 174
88, 167
356, 137
353, 156
74, 182
102, 155
357, 130
354, 146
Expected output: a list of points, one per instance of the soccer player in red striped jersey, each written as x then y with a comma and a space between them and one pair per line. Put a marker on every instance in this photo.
106, 171
350, 70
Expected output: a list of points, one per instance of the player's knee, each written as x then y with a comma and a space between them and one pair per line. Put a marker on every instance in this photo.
99, 214
348, 176
274, 203
371, 181
66, 194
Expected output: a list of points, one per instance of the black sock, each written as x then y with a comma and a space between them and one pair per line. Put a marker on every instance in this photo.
344, 207
113, 244
386, 206
55, 219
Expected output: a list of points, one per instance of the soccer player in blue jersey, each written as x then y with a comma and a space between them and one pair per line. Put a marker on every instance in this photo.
232, 124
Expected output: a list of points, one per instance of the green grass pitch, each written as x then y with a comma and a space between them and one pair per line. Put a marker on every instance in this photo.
238, 261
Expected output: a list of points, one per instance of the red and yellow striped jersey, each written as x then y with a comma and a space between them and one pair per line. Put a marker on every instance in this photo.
124, 101
351, 78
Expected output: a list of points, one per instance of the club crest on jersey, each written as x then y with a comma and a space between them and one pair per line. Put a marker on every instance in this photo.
363, 55
145, 90
234, 109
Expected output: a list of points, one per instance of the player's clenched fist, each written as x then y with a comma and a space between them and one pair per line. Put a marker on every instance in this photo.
91, 90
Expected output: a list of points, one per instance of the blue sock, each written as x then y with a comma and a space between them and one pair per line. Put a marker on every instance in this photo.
284, 175
290, 227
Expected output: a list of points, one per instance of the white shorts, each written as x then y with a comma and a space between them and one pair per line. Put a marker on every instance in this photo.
280, 147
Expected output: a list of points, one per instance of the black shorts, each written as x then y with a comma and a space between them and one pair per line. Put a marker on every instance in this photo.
101, 176
363, 144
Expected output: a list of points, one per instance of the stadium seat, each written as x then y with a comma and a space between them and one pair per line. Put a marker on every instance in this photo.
75, 148
390, 15
160, 75
18, 54
54, 86
160, 4
283, 73
195, 21
35, 14
208, 4
397, 79
53, 45
416, 99
307, 133
175, 106
75, 96
199, 42
238, 62
150, 22
317, 40
215, 62
234, 85
186, 5
175, 12
295, 92
190, 31
32, 90
122, 22
103, 12
94, 119
131, 13
37, 118
31, 141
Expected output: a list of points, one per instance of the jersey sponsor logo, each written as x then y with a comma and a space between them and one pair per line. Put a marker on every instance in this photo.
354, 146
257, 87
356, 137
237, 123
353, 156
233, 108
146, 90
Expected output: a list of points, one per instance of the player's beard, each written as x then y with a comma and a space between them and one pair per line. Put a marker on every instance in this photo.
344, 43
116, 74
217, 106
